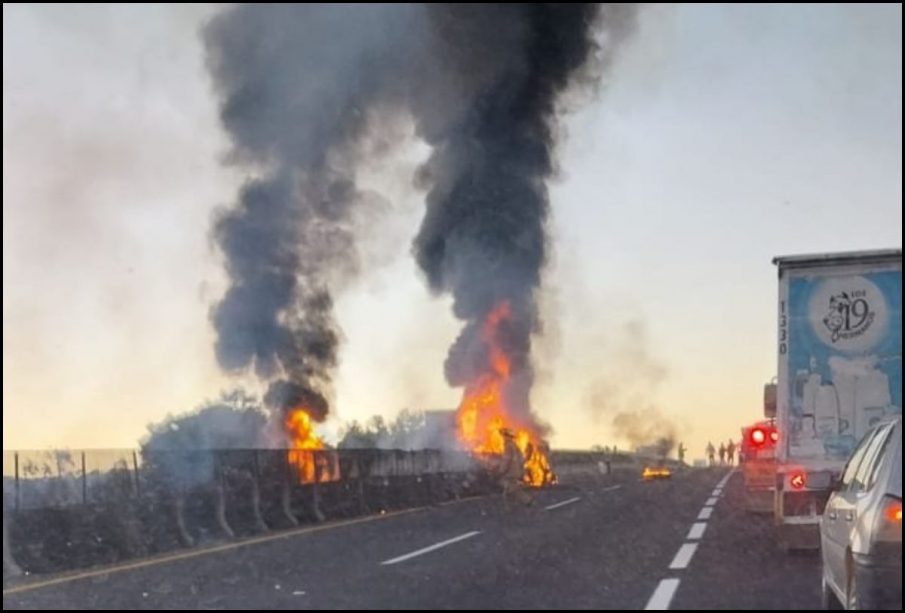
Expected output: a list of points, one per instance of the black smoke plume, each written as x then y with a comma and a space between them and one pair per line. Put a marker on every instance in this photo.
295, 84
301, 86
483, 238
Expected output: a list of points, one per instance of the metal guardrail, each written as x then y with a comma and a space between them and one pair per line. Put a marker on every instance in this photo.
67, 509
71, 509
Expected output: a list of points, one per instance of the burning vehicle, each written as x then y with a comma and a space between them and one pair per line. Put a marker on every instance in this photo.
653, 457
651, 473
484, 417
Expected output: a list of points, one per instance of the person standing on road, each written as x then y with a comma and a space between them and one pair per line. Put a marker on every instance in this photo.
730, 451
722, 454
681, 453
710, 452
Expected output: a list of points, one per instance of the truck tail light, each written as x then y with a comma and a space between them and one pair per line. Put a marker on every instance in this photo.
758, 436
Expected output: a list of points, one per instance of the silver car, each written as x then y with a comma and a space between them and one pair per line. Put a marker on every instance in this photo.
861, 527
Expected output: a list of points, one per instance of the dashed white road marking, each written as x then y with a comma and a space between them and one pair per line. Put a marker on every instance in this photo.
725, 478
666, 589
697, 530
683, 556
433, 547
662, 596
611, 488
562, 504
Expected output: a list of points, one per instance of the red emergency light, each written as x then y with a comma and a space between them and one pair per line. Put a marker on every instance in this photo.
762, 435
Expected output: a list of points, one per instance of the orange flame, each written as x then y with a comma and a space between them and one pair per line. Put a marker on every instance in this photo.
304, 445
483, 417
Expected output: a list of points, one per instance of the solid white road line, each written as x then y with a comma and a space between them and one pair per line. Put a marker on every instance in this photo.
683, 556
662, 596
434, 547
716, 492
697, 530
710, 502
562, 504
705, 513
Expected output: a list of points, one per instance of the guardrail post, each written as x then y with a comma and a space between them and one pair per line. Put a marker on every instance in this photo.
220, 498
10, 568
260, 524
16, 463
285, 494
179, 511
317, 458
360, 478
84, 481
135, 469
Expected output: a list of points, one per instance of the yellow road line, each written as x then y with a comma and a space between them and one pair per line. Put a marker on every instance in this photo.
185, 555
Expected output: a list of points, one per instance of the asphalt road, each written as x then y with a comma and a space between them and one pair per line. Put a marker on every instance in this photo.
594, 543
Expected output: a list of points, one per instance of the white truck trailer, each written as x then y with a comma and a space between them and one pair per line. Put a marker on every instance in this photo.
839, 371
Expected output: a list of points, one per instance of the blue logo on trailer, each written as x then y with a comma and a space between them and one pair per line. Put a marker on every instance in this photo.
845, 359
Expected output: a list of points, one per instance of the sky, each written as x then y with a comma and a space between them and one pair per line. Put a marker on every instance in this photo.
722, 136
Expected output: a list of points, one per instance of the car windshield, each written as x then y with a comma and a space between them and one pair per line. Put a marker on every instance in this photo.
451, 306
